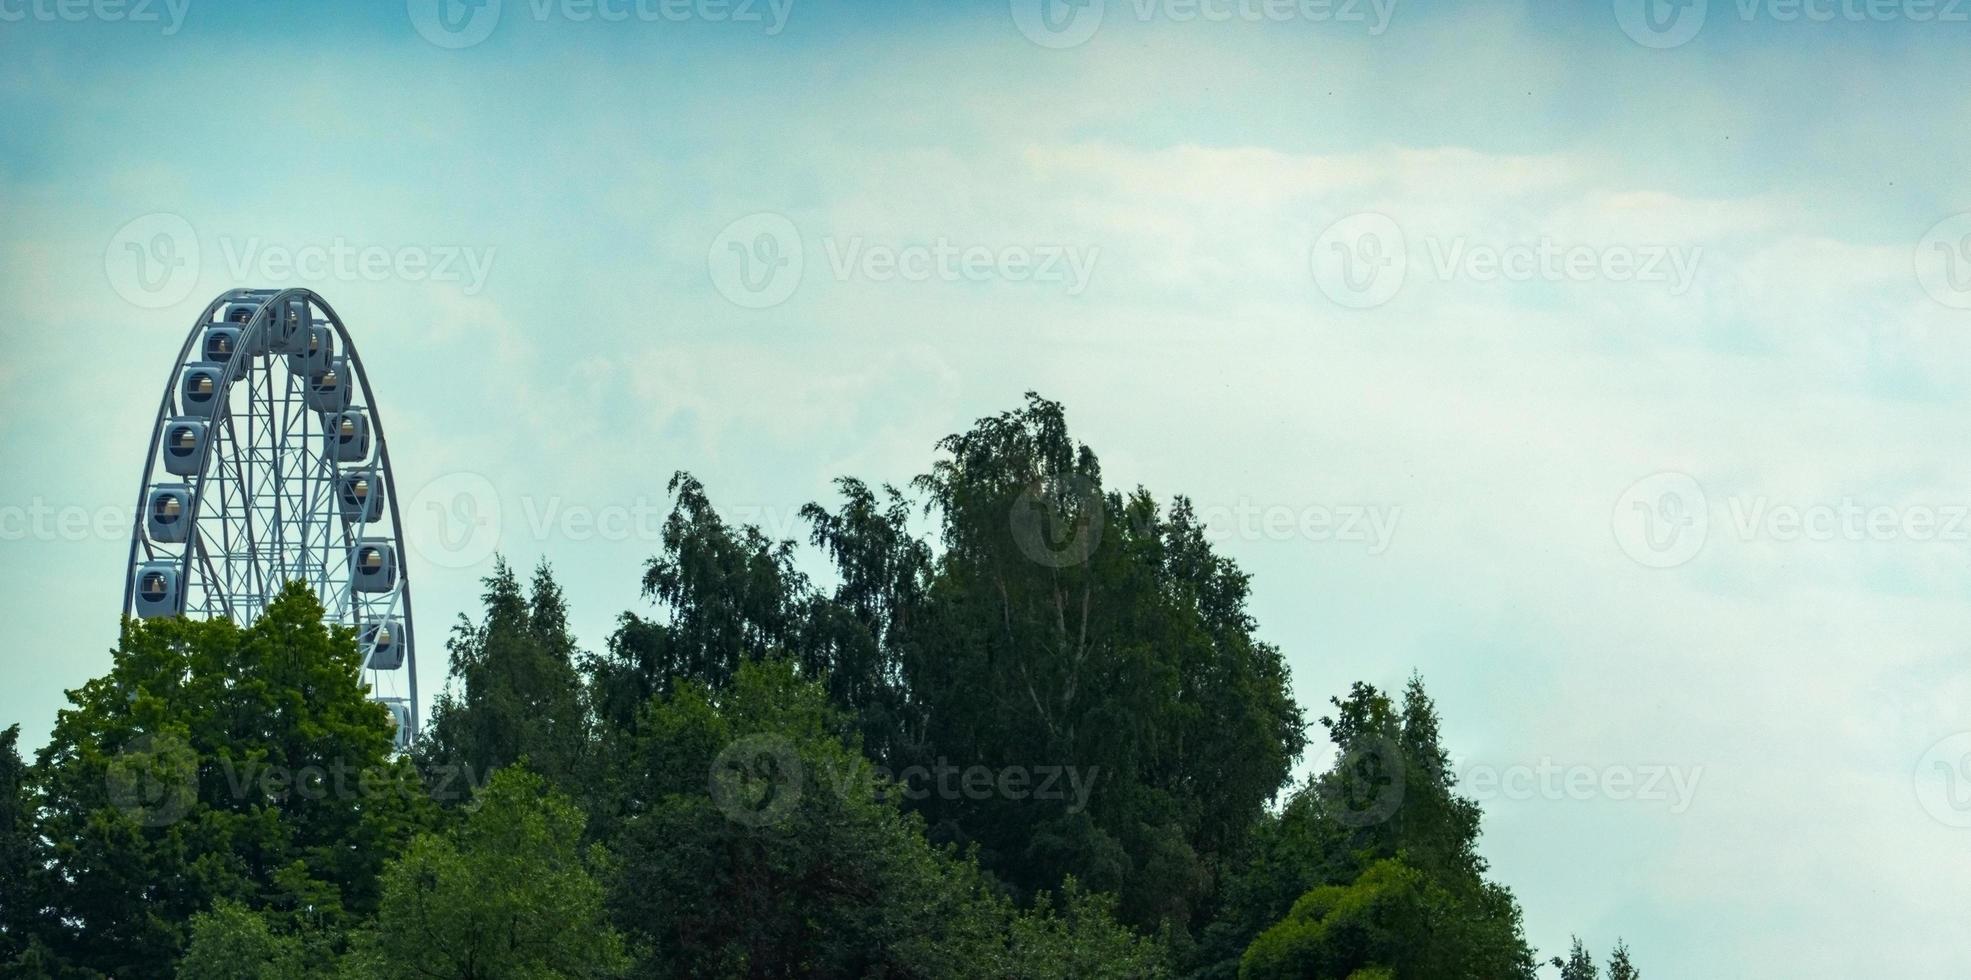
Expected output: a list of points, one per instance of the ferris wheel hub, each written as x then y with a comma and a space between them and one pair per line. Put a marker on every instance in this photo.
282, 474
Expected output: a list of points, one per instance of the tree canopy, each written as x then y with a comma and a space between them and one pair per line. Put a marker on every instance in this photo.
215, 763
1024, 726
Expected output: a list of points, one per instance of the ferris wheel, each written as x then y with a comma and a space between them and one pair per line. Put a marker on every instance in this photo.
267, 465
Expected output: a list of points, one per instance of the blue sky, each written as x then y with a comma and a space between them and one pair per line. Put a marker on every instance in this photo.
1533, 431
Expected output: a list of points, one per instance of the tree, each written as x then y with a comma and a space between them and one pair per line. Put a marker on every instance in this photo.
762, 844
1619, 967
858, 634
19, 901
217, 762
1380, 924
1124, 656
1066, 625
1388, 797
231, 942
1579, 964
729, 595
1076, 935
514, 692
510, 893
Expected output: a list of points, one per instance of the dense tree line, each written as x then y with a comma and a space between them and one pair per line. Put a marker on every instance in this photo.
1041, 741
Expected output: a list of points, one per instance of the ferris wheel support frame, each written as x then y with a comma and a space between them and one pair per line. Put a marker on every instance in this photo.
267, 302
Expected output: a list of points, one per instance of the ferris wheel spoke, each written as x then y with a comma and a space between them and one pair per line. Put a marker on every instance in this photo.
275, 471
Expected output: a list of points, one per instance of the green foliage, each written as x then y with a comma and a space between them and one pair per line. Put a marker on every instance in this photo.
20, 899
1393, 920
1389, 797
1077, 936
214, 762
1118, 643
1127, 655
792, 857
231, 942
1381, 922
730, 595
712, 796
1579, 964
514, 692
509, 894
856, 637
1619, 967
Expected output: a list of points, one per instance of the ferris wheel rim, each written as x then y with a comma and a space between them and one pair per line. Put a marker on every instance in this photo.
266, 302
